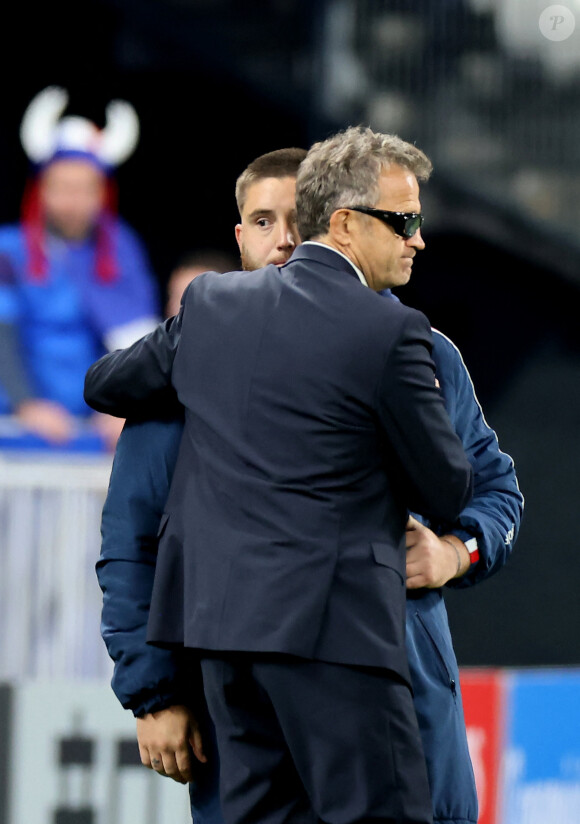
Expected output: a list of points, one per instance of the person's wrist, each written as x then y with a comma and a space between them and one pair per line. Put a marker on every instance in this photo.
469, 540
461, 553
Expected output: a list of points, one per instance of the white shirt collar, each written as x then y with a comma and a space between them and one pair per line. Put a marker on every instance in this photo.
360, 275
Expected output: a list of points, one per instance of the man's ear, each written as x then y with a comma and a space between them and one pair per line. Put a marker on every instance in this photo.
238, 233
340, 227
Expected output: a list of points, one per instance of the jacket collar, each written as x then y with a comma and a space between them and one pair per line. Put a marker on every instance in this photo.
322, 254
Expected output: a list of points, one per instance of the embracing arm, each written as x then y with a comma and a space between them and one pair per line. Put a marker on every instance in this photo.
435, 472
128, 381
494, 515
489, 524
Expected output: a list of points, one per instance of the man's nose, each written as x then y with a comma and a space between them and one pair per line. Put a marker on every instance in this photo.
287, 236
416, 241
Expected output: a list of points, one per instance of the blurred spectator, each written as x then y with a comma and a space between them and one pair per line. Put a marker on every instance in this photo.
74, 277
190, 266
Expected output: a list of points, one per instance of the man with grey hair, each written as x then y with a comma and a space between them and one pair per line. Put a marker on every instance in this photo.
313, 425
352, 161
340, 182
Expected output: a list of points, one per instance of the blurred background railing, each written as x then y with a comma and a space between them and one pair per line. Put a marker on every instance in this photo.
50, 602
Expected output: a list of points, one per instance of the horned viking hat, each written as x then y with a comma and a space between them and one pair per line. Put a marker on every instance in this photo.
46, 135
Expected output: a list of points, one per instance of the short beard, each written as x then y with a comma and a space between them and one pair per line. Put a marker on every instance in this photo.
248, 265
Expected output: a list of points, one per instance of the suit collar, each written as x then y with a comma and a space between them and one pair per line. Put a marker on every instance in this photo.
323, 254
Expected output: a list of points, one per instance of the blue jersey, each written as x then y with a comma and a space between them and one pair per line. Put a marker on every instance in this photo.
68, 317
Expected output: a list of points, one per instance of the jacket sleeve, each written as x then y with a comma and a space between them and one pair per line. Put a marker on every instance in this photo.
136, 382
436, 477
494, 514
145, 678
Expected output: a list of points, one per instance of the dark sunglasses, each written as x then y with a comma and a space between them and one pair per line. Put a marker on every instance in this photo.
403, 223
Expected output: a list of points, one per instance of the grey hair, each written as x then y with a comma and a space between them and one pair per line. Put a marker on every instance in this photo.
344, 170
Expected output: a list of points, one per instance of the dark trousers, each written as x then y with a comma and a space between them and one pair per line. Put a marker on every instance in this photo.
204, 788
306, 741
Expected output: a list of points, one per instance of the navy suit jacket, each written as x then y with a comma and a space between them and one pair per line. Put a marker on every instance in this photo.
313, 424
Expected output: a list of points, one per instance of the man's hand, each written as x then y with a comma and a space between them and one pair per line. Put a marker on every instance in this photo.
48, 419
432, 561
167, 740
